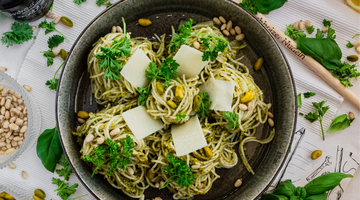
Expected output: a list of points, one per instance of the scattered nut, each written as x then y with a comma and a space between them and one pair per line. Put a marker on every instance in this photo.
24, 175
130, 170
216, 20
55, 52
57, 20
106, 3
81, 120
115, 131
238, 30
243, 107
118, 28
142, 197
271, 122
100, 140
240, 37
89, 138
270, 115
33, 28
232, 31
12, 166
356, 43
296, 25
269, 106
196, 45
351, 115
229, 25
223, 27
222, 19
307, 23
3, 69
113, 29
161, 183
301, 25
225, 32
50, 15
325, 29
196, 166
238, 183
27, 88
357, 49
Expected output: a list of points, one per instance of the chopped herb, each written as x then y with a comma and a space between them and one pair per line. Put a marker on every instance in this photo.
49, 55
66, 171
299, 103
310, 29
180, 117
50, 27
309, 94
262, 6
53, 83
213, 50
318, 115
249, 5
319, 34
301, 114
346, 72
349, 45
331, 34
327, 23
178, 171
21, 32
294, 34
64, 191
55, 40
232, 120
205, 104
108, 4
357, 34
78, 2
100, 2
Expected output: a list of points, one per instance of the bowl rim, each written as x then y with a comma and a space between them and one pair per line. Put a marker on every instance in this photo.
229, 1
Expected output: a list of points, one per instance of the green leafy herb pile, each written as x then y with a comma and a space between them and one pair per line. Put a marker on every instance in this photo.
98, 2
178, 171
318, 114
213, 43
166, 72
232, 120
293, 33
205, 104
109, 155
21, 32
314, 190
108, 57
262, 6
180, 117
50, 27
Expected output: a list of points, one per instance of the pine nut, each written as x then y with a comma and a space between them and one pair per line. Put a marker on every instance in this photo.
12, 91
27, 88
158, 198
2, 102
81, 121
222, 19
6, 124
232, 31
301, 25
5, 92
229, 25
18, 138
225, 32
238, 30
2, 144
157, 184
270, 115
161, 183
33, 28
3, 69
14, 143
24, 175
115, 131
55, 52
351, 115
217, 21
89, 138
296, 25
358, 49
142, 197
50, 15
269, 106
130, 170
13, 127
196, 166
78, 128
223, 27
100, 140
113, 29
325, 29
106, 3
240, 37
2, 153
119, 29
243, 107
8, 104
10, 151
23, 129
196, 45
356, 44
271, 122
238, 183
12, 166
307, 23
57, 20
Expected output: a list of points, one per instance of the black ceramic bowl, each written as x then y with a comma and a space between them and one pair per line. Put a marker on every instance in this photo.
274, 79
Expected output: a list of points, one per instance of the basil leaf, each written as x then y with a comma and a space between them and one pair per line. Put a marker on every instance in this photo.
285, 188
299, 103
265, 6
48, 148
325, 183
300, 192
340, 123
322, 196
326, 51
273, 197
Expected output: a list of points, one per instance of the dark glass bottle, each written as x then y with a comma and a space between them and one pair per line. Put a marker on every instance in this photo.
25, 10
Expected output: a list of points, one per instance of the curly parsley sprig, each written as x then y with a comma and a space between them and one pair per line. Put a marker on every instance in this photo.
318, 114
232, 120
50, 27
204, 105
21, 32
53, 83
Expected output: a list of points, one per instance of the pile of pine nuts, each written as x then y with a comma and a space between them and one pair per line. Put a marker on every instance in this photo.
13, 121
227, 28
301, 25
270, 116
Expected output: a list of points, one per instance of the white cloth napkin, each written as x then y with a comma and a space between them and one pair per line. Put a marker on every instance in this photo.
35, 73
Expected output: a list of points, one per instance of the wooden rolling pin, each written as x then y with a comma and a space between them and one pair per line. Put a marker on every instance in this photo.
290, 44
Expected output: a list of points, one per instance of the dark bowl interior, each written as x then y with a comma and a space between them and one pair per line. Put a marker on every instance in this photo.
274, 79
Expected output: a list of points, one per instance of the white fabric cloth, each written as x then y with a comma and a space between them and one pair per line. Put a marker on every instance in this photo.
35, 73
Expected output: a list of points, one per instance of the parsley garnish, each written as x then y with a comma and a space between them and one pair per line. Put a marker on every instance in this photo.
346, 72
50, 27
299, 103
301, 114
21, 32
232, 120
55, 40
205, 104
53, 83
111, 153
78, 2
180, 117
108, 60
349, 45
319, 34
357, 34
66, 171
318, 115
166, 72
100, 2
294, 34
214, 43
310, 29
179, 172
249, 5
64, 191
309, 94
49, 55
327, 23
331, 34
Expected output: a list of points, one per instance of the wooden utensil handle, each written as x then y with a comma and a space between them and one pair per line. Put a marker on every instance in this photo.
290, 44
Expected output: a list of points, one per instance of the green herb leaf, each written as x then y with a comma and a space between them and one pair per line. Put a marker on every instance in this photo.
294, 34
322, 196
50, 27
319, 34
349, 45
340, 123
345, 72
64, 191
285, 188
299, 103
49, 55
53, 83
66, 171
331, 34
312, 117
327, 23
232, 120
318, 115
21, 32
100, 2
268, 196
205, 104
144, 94
180, 117
357, 34
309, 94
301, 114
326, 51
310, 29
78, 2
109, 4
213, 51
55, 40
182, 37
178, 171
266, 6
325, 183
49, 149
300, 192
249, 5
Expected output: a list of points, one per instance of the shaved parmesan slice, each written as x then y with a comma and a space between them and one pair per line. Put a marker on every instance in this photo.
190, 61
188, 137
134, 69
220, 93
141, 123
